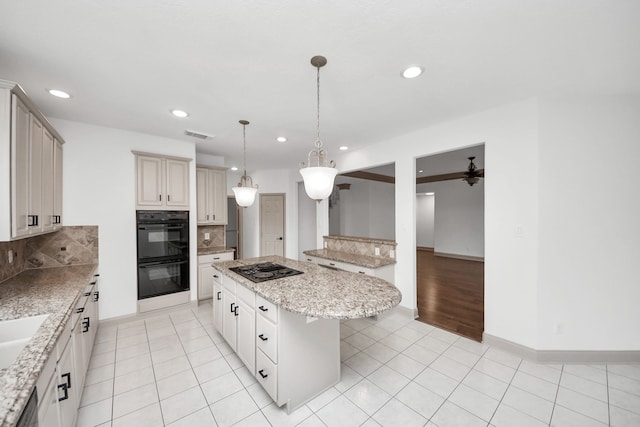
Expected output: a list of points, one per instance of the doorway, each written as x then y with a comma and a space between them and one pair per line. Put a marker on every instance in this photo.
272, 224
450, 242
233, 234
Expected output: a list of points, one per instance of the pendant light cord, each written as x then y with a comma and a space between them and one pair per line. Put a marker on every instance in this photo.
318, 141
244, 150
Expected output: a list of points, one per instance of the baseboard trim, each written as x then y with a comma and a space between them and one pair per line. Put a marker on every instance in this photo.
562, 356
458, 256
424, 248
111, 321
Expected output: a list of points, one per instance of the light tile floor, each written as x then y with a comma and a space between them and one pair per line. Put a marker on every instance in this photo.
174, 369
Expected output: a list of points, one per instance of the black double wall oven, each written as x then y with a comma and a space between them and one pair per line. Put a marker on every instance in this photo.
163, 252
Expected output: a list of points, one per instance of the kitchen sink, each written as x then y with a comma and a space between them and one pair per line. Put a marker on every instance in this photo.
14, 336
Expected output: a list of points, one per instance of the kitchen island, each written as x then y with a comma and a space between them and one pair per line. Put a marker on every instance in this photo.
287, 331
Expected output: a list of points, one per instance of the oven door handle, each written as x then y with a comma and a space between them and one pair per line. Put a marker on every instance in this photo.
153, 264
160, 227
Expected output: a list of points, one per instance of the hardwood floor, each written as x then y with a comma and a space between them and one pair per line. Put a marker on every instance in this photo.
451, 294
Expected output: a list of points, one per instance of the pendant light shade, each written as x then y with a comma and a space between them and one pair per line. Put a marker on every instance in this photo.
318, 173
245, 191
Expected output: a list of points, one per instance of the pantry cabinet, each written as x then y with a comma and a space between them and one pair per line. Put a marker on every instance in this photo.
162, 182
211, 190
31, 165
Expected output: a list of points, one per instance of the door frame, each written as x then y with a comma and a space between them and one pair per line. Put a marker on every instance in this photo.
284, 221
232, 199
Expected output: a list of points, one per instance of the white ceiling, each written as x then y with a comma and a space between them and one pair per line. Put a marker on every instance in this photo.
127, 63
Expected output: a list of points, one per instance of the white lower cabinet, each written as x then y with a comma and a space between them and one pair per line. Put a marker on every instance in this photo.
293, 357
385, 272
62, 378
207, 274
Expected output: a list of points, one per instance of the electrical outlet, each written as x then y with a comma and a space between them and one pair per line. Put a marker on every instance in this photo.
325, 245
207, 236
377, 251
392, 253
10, 255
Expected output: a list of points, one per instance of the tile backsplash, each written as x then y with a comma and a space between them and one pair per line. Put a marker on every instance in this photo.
361, 245
67, 246
216, 236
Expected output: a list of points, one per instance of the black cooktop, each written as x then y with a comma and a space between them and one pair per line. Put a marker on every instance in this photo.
264, 271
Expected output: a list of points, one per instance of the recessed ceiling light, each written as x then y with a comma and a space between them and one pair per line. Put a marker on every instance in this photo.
281, 139
412, 72
344, 148
59, 93
428, 194
234, 168
180, 113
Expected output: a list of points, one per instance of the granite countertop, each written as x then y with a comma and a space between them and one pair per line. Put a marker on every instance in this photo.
361, 239
52, 291
351, 258
320, 292
209, 250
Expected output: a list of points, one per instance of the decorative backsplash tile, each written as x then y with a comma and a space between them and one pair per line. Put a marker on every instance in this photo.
67, 246
8, 270
216, 236
360, 245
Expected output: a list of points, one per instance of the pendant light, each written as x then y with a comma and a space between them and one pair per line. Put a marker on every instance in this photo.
245, 192
318, 173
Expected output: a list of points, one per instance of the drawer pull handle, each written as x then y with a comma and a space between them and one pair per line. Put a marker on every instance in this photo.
96, 295
332, 264
66, 392
361, 272
309, 259
232, 309
218, 296
262, 308
215, 276
235, 311
79, 310
85, 325
216, 257
93, 283
262, 374
262, 337
68, 376
86, 294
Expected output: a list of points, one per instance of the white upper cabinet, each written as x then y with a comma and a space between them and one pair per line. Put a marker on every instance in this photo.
162, 183
30, 167
211, 189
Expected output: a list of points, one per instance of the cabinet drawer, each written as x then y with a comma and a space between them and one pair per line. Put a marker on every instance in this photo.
217, 277
267, 374
246, 295
228, 283
267, 338
224, 256
267, 309
64, 337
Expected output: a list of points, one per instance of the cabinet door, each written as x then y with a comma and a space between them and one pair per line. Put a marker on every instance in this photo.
177, 183
149, 185
48, 180
48, 404
205, 281
217, 306
246, 343
35, 175
201, 195
218, 193
80, 357
57, 184
229, 310
19, 168
67, 388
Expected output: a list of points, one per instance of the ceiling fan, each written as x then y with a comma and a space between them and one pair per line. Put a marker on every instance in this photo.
473, 174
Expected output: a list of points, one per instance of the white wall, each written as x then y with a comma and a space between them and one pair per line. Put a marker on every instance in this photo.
99, 189
269, 182
510, 134
367, 209
306, 222
589, 288
459, 217
425, 220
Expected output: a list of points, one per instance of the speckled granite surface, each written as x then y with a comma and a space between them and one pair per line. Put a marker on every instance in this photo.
214, 250
52, 291
361, 239
320, 292
351, 258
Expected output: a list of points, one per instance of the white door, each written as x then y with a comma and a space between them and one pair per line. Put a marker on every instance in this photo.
271, 224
